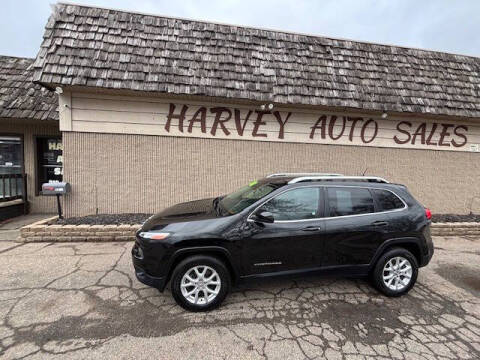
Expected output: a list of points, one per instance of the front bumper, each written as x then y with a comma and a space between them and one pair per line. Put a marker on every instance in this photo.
143, 276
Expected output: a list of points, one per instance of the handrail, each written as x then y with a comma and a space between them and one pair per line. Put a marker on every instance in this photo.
302, 174
10, 182
336, 178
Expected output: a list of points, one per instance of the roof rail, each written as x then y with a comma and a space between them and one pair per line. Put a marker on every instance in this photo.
336, 178
302, 174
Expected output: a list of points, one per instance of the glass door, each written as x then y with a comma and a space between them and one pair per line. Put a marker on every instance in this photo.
11, 167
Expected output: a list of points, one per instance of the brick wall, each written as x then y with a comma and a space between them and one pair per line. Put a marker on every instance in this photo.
138, 173
45, 231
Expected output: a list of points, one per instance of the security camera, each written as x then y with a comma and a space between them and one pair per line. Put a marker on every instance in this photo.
58, 90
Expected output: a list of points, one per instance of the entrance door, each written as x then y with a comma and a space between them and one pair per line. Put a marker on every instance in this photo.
294, 240
11, 168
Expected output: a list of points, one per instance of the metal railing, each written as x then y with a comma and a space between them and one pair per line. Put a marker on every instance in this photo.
338, 178
13, 187
302, 174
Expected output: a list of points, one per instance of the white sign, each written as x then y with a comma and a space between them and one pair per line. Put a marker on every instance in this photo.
151, 116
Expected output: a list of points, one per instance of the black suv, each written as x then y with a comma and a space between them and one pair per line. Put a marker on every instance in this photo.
285, 224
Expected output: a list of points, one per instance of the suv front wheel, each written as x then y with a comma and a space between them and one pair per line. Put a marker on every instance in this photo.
395, 272
200, 283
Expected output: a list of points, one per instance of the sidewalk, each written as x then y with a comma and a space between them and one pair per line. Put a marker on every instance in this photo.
10, 229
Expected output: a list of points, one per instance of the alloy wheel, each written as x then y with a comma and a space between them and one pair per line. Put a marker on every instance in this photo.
200, 285
397, 273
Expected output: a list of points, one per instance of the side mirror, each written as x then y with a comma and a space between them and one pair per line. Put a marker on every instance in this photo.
263, 217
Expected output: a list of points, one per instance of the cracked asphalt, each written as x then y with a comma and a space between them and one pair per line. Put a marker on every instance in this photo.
81, 300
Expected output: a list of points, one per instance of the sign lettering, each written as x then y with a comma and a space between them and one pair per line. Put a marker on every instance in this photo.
224, 122
165, 117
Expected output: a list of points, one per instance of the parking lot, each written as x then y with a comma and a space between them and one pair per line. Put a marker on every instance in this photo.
81, 300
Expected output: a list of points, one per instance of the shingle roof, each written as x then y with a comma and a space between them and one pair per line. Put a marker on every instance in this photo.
19, 96
87, 46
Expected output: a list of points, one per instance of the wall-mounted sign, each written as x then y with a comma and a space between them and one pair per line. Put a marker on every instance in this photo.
148, 116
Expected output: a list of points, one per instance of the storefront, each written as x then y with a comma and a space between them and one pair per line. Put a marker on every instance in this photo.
156, 110
30, 141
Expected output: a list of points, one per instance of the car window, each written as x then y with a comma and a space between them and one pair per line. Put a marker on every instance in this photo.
297, 204
387, 200
349, 201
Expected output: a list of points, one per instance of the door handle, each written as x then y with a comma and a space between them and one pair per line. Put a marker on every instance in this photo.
380, 223
311, 228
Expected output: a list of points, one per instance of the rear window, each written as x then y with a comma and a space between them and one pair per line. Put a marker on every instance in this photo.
349, 201
387, 200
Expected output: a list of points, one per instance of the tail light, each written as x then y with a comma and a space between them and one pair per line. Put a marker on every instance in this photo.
428, 214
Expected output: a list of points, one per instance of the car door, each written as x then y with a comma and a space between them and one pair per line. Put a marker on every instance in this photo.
399, 223
294, 240
353, 231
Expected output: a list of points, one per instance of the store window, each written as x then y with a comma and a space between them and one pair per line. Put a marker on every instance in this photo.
49, 160
11, 167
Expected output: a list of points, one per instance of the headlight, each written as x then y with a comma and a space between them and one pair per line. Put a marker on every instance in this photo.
153, 235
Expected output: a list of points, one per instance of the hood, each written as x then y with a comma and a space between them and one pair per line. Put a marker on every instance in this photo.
188, 211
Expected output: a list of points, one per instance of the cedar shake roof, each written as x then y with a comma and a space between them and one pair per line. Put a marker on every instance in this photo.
97, 47
19, 96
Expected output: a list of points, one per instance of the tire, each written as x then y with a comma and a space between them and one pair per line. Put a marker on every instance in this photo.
201, 294
390, 277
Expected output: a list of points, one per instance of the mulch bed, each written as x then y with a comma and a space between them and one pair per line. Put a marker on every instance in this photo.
445, 218
106, 219
132, 219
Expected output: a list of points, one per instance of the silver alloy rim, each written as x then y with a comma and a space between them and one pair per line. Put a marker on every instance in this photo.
397, 273
200, 285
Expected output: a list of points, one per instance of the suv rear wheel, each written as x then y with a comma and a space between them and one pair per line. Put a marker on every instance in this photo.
200, 283
395, 272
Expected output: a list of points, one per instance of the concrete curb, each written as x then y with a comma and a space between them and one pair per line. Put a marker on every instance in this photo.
46, 231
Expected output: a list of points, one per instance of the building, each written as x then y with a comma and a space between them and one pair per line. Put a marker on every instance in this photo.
30, 141
157, 110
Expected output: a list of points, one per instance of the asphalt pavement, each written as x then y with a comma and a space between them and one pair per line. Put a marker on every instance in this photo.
82, 301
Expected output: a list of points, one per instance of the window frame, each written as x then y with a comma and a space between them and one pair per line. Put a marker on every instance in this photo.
325, 208
375, 204
377, 201
22, 142
22, 167
320, 205
36, 165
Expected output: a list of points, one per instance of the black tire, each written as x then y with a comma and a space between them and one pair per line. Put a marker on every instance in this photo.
189, 263
378, 271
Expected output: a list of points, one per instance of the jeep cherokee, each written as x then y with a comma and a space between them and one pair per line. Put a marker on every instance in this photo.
285, 224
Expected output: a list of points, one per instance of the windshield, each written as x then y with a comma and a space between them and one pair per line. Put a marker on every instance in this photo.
246, 196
